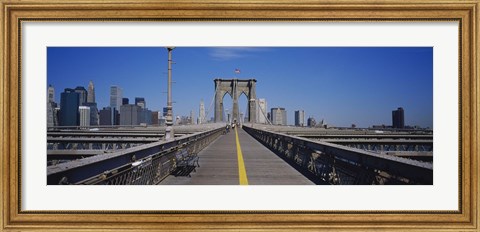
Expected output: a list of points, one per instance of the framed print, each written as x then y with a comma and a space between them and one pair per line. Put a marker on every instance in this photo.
256, 115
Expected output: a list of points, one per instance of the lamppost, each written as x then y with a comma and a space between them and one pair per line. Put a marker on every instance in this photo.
169, 134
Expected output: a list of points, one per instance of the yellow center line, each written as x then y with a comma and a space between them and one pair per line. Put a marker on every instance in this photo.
242, 172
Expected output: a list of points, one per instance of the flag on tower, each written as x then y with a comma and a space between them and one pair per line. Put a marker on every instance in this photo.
237, 71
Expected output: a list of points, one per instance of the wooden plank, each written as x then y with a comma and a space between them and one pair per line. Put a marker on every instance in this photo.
219, 165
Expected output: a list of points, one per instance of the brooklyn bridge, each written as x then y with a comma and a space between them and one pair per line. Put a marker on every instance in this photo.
247, 154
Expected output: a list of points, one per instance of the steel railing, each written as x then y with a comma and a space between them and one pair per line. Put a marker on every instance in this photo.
327, 163
144, 164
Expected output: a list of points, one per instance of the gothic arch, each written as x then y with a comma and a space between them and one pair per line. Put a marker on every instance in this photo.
235, 87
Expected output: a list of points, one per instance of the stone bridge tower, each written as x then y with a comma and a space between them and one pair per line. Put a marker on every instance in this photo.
235, 88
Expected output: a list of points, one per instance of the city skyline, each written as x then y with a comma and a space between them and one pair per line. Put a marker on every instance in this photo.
344, 86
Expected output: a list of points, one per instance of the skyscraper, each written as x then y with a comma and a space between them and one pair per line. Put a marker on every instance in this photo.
91, 93
106, 116
140, 101
192, 117
398, 119
115, 97
201, 113
130, 114
279, 116
93, 113
69, 103
82, 95
165, 110
125, 101
145, 116
51, 117
84, 112
51, 94
115, 102
155, 118
311, 122
50, 114
262, 111
299, 118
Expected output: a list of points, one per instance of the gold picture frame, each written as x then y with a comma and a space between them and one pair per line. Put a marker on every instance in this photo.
15, 12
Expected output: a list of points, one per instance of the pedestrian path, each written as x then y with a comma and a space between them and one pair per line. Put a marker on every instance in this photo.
237, 158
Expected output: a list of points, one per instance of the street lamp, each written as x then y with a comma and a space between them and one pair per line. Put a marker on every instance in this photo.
169, 134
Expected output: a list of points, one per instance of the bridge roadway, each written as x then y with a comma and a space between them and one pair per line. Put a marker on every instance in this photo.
237, 158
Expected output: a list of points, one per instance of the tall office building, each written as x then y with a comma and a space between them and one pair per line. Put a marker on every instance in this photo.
125, 101
398, 118
130, 114
145, 116
84, 113
165, 110
192, 117
51, 94
69, 103
93, 113
201, 113
299, 118
115, 102
155, 118
51, 116
82, 95
279, 116
91, 93
115, 97
105, 116
262, 111
140, 101
311, 122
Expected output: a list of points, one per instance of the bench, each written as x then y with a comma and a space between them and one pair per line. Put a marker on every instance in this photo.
185, 162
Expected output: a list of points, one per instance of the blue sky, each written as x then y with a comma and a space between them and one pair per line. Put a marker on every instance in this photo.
342, 85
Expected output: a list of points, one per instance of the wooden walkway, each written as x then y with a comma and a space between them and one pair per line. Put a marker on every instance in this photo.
232, 161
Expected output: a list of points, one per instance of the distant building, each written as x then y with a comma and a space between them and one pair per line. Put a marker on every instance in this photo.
69, 103
51, 114
140, 101
105, 116
311, 122
192, 117
124, 101
130, 114
91, 93
165, 111
299, 118
279, 116
115, 97
323, 124
201, 113
115, 102
93, 113
56, 116
262, 114
155, 118
51, 117
145, 116
51, 94
177, 120
162, 121
398, 119
84, 113
82, 95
